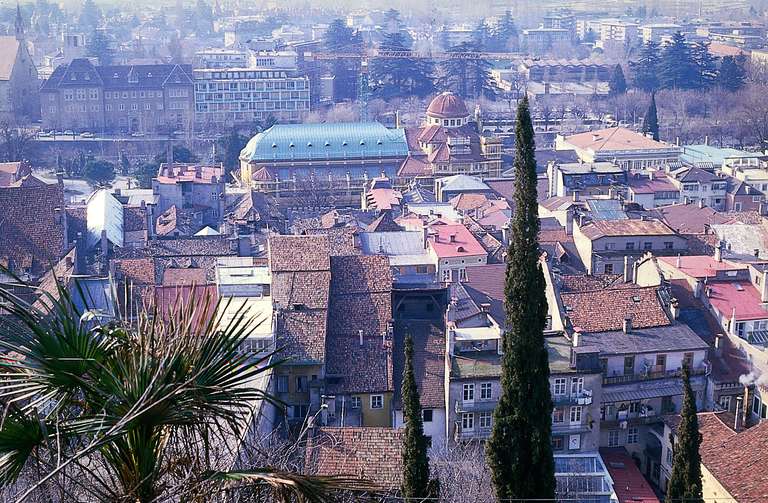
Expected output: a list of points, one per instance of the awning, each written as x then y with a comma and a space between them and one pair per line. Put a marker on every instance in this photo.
641, 394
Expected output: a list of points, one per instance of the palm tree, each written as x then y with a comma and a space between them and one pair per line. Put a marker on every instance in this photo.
140, 411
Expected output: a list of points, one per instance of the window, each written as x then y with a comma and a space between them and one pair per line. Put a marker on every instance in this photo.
633, 435
613, 438
737, 206
282, 384
740, 329
764, 411
467, 421
421, 269
577, 385
355, 402
80, 93
468, 394
688, 360
629, 365
93, 94
669, 457
558, 415
575, 415
447, 276
486, 391
108, 107
557, 443
668, 245
300, 411
134, 106
629, 246
121, 107
485, 419
302, 384
377, 401
756, 405
559, 387
610, 246
147, 106
725, 402
661, 362
648, 245
426, 415
608, 268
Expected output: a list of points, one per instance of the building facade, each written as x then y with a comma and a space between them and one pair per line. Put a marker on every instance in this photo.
81, 96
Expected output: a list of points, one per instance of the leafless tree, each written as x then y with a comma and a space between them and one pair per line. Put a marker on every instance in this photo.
463, 473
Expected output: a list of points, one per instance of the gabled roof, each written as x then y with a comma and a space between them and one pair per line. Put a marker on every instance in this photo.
587, 311
689, 218
428, 360
634, 227
616, 138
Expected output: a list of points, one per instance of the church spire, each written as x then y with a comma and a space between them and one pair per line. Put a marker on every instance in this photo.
18, 24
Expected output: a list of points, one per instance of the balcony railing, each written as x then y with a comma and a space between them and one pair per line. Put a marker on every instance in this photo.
484, 405
475, 433
650, 375
582, 398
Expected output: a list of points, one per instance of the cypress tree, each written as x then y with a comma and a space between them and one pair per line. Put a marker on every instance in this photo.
416, 484
519, 450
651, 119
685, 483
617, 84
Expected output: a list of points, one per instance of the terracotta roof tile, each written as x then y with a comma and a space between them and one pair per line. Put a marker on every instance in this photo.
301, 334
429, 360
602, 228
587, 310
299, 253
372, 454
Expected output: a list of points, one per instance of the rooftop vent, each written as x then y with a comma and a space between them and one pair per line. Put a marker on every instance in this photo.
327, 144
309, 144
343, 144
362, 142
636, 298
738, 287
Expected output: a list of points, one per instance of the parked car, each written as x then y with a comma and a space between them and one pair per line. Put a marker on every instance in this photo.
138, 134
87, 134
68, 132
179, 133
44, 134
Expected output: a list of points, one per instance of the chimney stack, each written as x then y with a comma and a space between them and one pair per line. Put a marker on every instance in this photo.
575, 196
719, 344
719, 251
701, 203
576, 339
360, 335
679, 262
749, 394
627, 326
738, 422
627, 270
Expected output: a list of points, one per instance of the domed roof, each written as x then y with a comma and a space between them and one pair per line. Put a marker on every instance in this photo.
447, 106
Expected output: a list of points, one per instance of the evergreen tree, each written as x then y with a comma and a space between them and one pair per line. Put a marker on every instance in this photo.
731, 75
685, 483
100, 46
403, 76
416, 484
230, 147
519, 450
341, 38
468, 75
677, 69
617, 84
203, 18
651, 119
175, 50
90, 17
645, 69
706, 65
505, 34
482, 37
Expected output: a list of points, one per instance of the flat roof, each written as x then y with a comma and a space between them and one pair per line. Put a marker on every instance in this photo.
741, 296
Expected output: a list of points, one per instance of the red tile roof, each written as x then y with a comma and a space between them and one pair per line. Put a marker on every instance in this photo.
689, 218
725, 296
373, 454
32, 219
428, 360
617, 138
587, 310
463, 244
168, 299
700, 266
646, 185
628, 481
299, 253
190, 173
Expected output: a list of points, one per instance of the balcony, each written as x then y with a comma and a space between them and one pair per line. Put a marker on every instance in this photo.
650, 375
485, 405
647, 415
566, 428
475, 433
582, 398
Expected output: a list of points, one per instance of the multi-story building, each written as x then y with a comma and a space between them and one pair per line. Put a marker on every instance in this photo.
697, 185
656, 31
561, 20
622, 146
539, 41
585, 178
616, 32
221, 58
191, 186
224, 97
140, 98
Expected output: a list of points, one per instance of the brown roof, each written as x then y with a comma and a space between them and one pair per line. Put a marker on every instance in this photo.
301, 334
179, 221
195, 246
415, 165
32, 219
9, 48
308, 288
736, 460
588, 283
616, 138
10, 172
384, 223
76, 222
468, 202
58, 275
587, 310
602, 228
299, 253
447, 106
428, 360
352, 367
191, 276
134, 218
341, 240
689, 218
373, 454
139, 271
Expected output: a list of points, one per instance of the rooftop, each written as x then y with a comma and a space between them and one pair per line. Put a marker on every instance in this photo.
689, 218
716, 155
617, 138
428, 359
628, 482
177, 172
633, 227
454, 240
587, 310
700, 266
651, 184
727, 296
447, 106
677, 337
323, 141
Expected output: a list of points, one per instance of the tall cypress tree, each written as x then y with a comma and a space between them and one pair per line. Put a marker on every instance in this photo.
519, 450
685, 482
416, 484
651, 119
618, 84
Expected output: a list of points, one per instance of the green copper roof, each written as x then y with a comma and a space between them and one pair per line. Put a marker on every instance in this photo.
352, 140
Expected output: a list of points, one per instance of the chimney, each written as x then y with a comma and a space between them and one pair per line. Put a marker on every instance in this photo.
569, 222
627, 270
453, 238
701, 203
719, 251
575, 196
425, 233
485, 307
738, 422
505, 234
627, 326
576, 340
360, 335
679, 262
749, 394
719, 344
